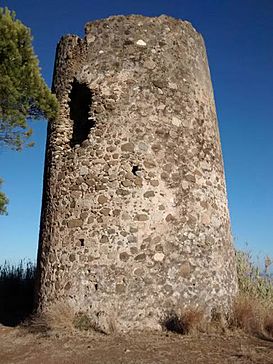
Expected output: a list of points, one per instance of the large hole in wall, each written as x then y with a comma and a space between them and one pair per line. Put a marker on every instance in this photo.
80, 105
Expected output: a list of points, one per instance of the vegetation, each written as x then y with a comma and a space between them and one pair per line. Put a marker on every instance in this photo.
3, 201
185, 322
16, 292
252, 281
24, 94
252, 310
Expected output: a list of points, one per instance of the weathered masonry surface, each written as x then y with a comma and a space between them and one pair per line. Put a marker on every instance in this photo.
135, 220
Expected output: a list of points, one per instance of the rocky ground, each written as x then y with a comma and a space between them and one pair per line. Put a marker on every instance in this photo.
19, 346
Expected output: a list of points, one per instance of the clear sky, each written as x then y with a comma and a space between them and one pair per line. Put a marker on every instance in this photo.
239, 41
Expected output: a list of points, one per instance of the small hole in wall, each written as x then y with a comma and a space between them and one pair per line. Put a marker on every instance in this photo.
96, 286
82, 242
135, 169
80, 105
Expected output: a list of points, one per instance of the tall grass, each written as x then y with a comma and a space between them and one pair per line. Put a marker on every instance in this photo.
16, 292
253, 307
252, 280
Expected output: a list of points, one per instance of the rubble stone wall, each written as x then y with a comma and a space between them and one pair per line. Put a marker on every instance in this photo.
135, 220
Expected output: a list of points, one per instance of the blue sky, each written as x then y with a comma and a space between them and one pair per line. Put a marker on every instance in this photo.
239, 41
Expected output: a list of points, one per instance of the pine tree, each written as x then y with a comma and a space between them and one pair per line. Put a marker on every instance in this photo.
24, 94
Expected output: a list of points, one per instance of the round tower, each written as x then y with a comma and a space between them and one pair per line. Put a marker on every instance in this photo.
135, 220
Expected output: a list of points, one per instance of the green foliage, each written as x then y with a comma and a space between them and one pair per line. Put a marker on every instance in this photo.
3, 201
23, 93
252, 281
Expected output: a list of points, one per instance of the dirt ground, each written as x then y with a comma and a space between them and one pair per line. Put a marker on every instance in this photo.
19, 346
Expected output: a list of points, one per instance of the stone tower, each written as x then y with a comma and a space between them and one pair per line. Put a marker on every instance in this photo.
135, 220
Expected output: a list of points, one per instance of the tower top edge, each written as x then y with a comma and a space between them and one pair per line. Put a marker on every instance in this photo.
137, 18
118, 23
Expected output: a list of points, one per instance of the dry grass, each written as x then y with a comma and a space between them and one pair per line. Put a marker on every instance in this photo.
248, 314
268, 324
187, 322
252, 315
58, 317
253, 308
